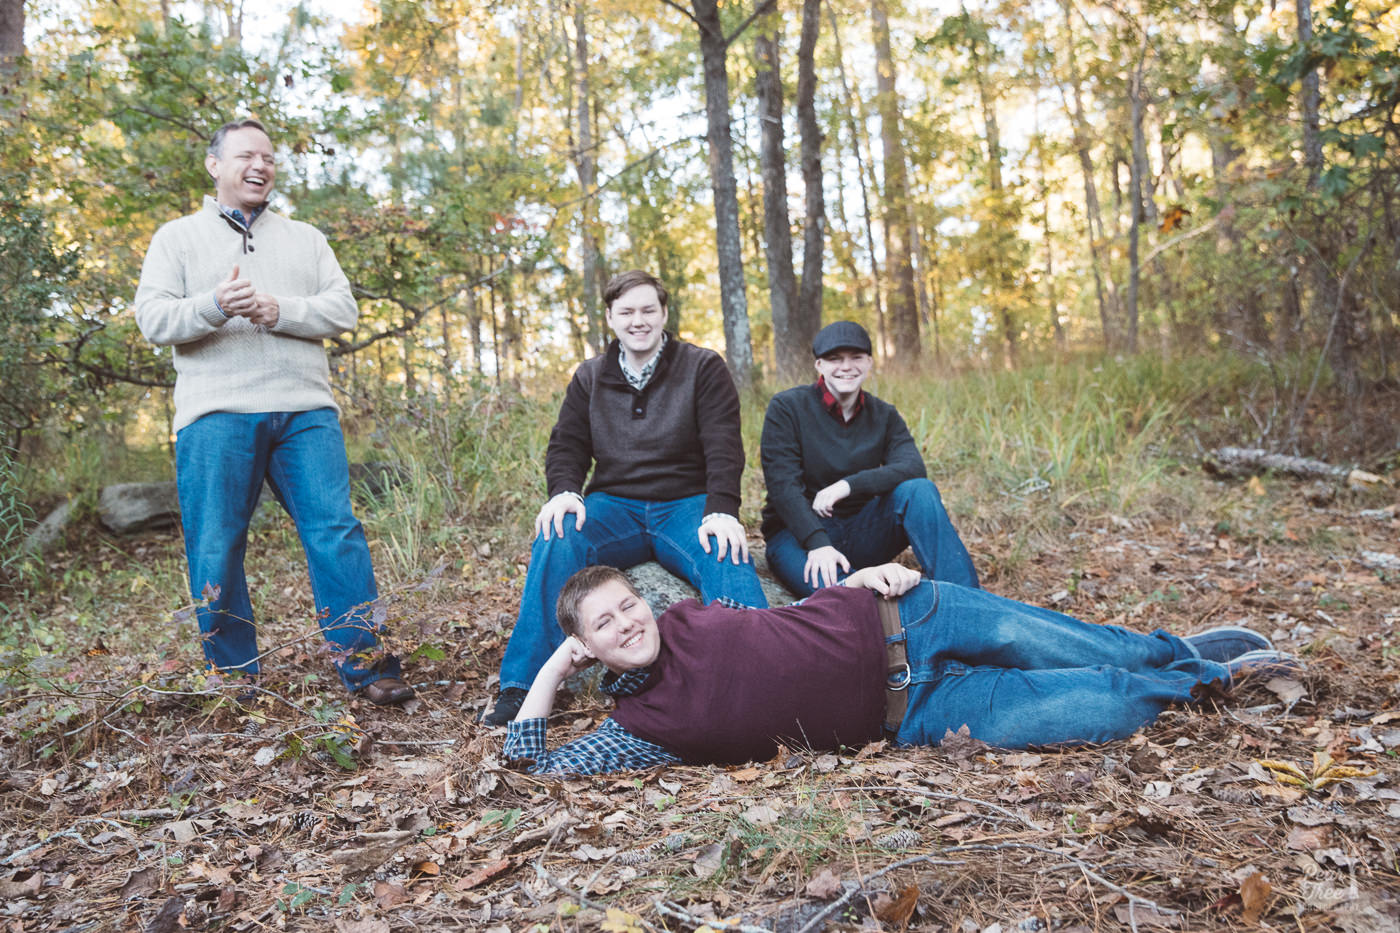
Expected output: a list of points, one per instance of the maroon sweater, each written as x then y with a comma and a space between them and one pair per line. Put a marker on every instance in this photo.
677, 437
729, 684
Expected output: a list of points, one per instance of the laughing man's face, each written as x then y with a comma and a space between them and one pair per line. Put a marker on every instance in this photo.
244, 169
617, 627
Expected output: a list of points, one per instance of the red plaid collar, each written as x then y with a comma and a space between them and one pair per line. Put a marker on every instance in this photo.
833, 405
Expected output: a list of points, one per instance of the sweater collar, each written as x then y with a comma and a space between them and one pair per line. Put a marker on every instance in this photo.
612, 363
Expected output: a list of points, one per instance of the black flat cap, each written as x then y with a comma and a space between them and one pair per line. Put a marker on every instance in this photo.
840, 335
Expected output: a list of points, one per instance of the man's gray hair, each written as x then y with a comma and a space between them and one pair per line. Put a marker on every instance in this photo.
216, 142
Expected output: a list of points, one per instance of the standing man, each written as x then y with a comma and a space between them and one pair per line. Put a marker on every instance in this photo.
847, 487
658, 421
245, 297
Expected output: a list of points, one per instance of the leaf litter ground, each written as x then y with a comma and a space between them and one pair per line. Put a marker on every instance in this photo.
139, 795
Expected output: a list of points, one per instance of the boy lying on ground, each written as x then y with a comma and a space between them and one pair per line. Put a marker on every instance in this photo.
887, 652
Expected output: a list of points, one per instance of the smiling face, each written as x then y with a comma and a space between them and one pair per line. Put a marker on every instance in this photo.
244, 170
844, 371
617, 627
638, 318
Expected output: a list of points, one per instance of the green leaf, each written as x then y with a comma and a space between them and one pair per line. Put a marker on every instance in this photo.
428, 650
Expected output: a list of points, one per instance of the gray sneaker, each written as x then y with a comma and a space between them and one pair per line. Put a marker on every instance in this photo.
1265, 663
1227, 642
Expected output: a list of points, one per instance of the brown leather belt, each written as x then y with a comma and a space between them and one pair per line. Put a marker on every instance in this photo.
897, 675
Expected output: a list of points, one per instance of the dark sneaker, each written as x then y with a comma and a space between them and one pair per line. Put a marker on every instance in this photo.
1266, 663
1227, 642
507, 706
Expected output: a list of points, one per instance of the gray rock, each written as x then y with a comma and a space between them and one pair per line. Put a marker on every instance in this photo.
661, 588
48, 531
126, 508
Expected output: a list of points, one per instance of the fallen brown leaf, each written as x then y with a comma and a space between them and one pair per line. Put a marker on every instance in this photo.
826, 885
1255, 894
898, 912
17, 888
483, 874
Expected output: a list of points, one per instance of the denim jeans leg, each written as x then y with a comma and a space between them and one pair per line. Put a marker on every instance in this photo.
612, 533
308, 470
921, 517
220, 461
786, 561
1018, 675
674, 527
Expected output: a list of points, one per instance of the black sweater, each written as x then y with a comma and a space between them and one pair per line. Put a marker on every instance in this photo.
804, 450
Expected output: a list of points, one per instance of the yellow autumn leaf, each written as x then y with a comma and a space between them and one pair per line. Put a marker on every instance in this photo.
1285, 767
1338, 773
620, 921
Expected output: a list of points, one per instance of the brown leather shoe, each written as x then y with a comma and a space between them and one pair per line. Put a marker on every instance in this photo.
386, 691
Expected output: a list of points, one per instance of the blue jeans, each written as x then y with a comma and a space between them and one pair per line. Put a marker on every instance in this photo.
1018, 675
910, 515
622, 533
221, 461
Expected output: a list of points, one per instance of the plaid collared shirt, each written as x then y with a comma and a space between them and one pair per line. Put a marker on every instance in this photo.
639, 380
833, 406
236, 215
607, 748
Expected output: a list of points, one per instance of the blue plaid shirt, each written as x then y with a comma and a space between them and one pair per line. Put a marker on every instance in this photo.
607, 748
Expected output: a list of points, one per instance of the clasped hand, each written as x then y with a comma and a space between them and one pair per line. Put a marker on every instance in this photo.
236, 297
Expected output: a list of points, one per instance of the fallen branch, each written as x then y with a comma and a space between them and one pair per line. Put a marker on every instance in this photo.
1249, 461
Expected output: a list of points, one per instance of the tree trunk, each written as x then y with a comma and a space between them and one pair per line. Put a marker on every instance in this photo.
1106, 294
808, 319
854, 108
1052, 300
11, 51
1135, 194
1311, 100
777, 228
586, 164
904, 321
1000, 209
734, 301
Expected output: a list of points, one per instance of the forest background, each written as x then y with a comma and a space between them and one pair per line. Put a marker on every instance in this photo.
1194, 202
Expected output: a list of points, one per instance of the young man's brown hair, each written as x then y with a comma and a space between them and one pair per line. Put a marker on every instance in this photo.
623, 281
578, 587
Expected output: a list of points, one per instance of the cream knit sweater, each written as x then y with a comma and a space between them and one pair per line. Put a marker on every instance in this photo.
228, 364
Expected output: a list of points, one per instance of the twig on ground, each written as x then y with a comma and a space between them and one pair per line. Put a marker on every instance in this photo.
674, 911
852, 889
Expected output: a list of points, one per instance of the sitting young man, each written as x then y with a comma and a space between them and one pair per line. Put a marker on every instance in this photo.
720, 684
847, 487
657, 420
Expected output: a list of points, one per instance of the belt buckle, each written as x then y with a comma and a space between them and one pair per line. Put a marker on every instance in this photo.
899, 678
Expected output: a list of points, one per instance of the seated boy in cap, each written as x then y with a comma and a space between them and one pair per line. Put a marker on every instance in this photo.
887, 653
847, 487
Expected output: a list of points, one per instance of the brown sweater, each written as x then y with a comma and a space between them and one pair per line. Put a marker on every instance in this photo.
677, 437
